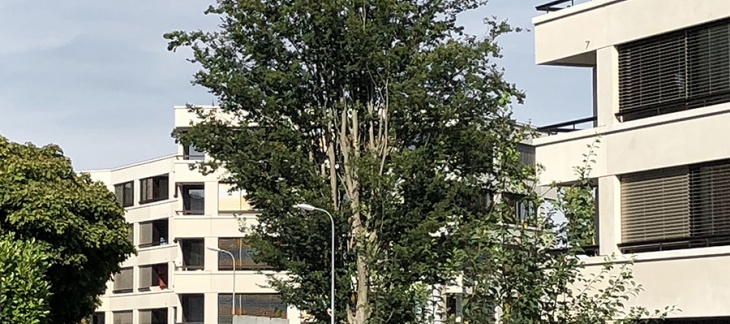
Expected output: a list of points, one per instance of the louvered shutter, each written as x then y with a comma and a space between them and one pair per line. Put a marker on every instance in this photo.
123, 317
145, 234
123, 280
145, 317
655, 205
680, 70
145, 277
710, 187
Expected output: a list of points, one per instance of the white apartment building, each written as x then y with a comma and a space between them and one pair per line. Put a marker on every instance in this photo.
179, 216
661, 88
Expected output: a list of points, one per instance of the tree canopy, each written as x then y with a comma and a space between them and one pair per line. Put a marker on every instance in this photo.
388, 115
76, 220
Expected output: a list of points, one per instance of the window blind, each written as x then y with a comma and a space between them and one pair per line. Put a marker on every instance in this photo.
655, 205
685, 69
123, 281
710, 200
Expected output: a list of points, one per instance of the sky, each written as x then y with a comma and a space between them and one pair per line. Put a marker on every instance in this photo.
95, 77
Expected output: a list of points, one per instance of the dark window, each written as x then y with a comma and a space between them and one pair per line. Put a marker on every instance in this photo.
241, 252
124, 281
154, 189
190, 152
260, 305
125, 193
679, 207
193, 251
451, 307
153, 276
193, 308
98, 318
523, 208
527, 154
676, 71
193, 199
153, 316
153, 233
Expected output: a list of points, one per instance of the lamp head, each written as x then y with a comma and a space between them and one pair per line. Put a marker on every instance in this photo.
305, 207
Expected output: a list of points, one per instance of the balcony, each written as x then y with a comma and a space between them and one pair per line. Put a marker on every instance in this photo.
568, 126
558, 5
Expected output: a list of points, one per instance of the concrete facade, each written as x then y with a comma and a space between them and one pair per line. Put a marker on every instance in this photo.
589, 35
217, 220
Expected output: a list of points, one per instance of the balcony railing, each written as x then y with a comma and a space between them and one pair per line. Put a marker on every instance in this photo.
568, 126
558, 5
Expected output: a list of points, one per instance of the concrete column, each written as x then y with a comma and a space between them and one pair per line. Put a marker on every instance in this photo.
609, 214
211, 257
606, 85
171, 314
211, 308
211, 198
135, 278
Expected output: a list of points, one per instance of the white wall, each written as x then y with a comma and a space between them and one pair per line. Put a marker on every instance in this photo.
596, 24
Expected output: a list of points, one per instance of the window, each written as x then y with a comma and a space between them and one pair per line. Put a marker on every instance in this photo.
190, 152
153, 233
193, 251
523, 207
154, 189
153, 316
130, 236
124, 317
123, 281
193, 308
193, 199
527, 154
231, 200
678, 207
125, 193
98, 318
153, 276
261, 305
241, 252
676, 71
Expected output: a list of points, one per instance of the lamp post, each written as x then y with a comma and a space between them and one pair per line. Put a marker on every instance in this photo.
307, 207
233, 264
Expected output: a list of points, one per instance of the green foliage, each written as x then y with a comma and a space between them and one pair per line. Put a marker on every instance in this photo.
76, 219
537, 273
384, 112
387, 114
24, 292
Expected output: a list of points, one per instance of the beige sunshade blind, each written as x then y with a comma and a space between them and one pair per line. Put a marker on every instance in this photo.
123, 317
655, 205
145, 233
123, 280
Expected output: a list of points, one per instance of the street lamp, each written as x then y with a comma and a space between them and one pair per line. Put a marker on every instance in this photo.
307, 207
233, 263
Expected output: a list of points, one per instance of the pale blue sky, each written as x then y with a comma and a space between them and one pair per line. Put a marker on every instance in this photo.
95, 77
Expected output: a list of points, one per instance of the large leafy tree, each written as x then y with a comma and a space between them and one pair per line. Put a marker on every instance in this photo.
387, 114
76, 220
384, 112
